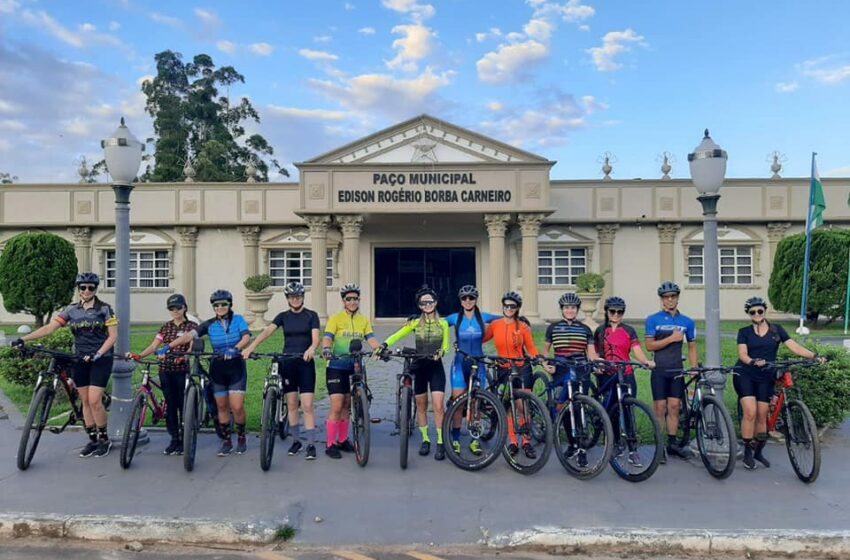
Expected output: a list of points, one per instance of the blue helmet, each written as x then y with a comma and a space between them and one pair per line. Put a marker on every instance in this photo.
669, 288
88, 278
615, 302
569, 299
221, 295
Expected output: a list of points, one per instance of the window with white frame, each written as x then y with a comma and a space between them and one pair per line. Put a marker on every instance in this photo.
296, 265
736, 265
148, 269
560, 267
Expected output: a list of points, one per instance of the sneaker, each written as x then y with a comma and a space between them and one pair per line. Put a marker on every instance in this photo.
440, 452
178, 449
425, 448
619, 450
456, 447
513, 449
295, 447
749, 463
529, 451
172, 448
103, 448
311, 452
581, 459
89, 449
634, 459
345, 446
241, 445
681, 452
333, 452
226, 448
572, 452
475, 447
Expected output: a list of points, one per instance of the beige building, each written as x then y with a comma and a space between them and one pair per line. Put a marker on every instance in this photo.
424, 202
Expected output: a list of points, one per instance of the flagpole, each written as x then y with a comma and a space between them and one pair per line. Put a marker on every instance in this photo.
802, 330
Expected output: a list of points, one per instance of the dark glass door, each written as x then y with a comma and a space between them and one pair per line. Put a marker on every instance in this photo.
400, 272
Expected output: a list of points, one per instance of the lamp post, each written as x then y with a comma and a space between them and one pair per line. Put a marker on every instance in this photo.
708, 169
123, 155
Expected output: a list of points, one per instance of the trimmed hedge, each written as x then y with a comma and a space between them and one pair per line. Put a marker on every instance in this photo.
825, 389
22, 370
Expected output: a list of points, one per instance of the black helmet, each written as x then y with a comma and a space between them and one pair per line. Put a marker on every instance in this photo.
293, 289
512, 296
468, 290
615, 302
425, 291
88, 278
754, 301
221, 295
669, 288
348, 289
569, 298
176, 300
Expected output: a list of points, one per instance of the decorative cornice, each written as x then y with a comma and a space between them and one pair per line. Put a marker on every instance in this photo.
776, 231
82, 236
607, 232
250, 235
529, 224
350, 224
318, 224
188, 236
497, 224
667, 232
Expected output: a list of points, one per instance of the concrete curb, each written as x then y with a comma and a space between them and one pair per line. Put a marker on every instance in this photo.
790, 541
143, 529
14, 415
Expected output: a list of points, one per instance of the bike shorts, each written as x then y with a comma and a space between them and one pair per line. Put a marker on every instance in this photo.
298, 376
338, 381
228, 376
666, 385
92, 374
525, 380
461, 370
428, 373
751, 386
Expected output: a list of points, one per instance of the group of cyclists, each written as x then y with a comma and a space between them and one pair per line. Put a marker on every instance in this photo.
94, 327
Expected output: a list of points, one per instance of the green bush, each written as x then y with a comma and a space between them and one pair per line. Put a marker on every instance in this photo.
258, 283
825, 389
21, 370
590, 282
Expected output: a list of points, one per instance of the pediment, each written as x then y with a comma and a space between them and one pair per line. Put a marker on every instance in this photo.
426, 140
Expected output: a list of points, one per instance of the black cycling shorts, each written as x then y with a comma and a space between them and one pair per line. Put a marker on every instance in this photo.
751, 386
228, 376
525, 380
298, 376
666, 385
92, 374
338, 381
428, 373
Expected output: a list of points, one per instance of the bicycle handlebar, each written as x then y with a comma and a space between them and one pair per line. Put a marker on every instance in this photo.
38, 349
619, 364
275, 355
781, 364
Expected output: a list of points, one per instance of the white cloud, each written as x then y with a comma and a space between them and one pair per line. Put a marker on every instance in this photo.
510, 61
114, 26
317, 55
88, 27
170, 21
12, 125
584, 28
483, 36
419, 12
828, 70
539, 29
591, 105
102, 110
495, 106
366, 30
228, 47
787, 87
572, 11
49, 25
262, 49
480, 37
208, 17
323, 39
311, 114
613, 43
348, 6
6, 107
8, 6
414, 45
78, 127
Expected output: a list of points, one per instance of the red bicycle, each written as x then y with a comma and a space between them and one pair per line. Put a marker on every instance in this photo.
145, 399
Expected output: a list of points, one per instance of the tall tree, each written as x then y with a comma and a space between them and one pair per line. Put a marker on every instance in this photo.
193, 121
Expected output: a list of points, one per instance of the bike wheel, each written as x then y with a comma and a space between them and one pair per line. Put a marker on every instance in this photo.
37, 417
801, 440
481, 415
360, 425
540, 386
533, 431
405, 404
638, 442
283, 424
716, 437
132, 428
191, 425
267, 427
583, 437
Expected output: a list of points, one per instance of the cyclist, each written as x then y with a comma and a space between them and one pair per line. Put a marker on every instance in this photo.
469, 326
229, 334
666, 332
513, 339
432, 338
300, 336
758, 343
342, 328
172, 374
615, 341
95, 330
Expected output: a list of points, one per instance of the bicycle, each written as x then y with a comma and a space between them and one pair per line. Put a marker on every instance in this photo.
145, 399
405, 411
275, 417
638, 440
705, 414
483, 421
44, 395
583, 439
361, 396
196, 411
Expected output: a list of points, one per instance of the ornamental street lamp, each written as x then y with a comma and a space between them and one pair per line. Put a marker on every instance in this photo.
123, 155
708, 169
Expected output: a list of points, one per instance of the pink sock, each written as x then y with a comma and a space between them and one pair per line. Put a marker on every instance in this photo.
332, 428
342, 426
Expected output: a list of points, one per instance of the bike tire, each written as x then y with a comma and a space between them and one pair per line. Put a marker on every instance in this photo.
716, 439
595, 426
268, 427
130, 438
801, 434
537, 419
37, 417
360, 424
489, 420
405, 400
283, 425
642, 420
540, 387
191, 425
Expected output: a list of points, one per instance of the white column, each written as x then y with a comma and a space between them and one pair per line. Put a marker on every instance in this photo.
606, 234
251, 243
82, 247
188, 243
530, 229
318, 225
666, 239
497, 225
351, 225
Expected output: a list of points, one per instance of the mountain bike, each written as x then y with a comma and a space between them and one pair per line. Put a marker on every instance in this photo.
361, 396
405, 411
196, 410
47, 385
583, 435
275, 416
144, 399
704, 414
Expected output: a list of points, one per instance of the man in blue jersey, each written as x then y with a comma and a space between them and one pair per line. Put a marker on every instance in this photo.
666, 333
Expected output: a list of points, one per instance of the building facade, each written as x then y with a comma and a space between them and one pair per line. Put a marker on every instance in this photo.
424, 202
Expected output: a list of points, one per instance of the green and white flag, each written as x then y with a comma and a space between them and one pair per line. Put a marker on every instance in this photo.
818, 201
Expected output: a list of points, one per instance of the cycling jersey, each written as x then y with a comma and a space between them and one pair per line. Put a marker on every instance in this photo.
512, 340
569, 338
90, 327
661, 325
431, 336
761, 347
167, 334
344, 327
224, 333
469, 334
297, 329
616, 345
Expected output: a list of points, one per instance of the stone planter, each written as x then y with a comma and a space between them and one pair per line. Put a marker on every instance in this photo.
589, 303
258, 305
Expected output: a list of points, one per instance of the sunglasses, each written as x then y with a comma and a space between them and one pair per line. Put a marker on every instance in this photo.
756, 311
175, 308
468, 298
669, 296
510, 306
426, 302
87, 288
352, 298
616, 311
221, 304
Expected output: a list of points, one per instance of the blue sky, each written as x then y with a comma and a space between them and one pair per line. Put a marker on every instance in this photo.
569, 80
